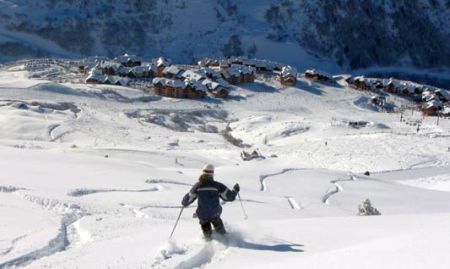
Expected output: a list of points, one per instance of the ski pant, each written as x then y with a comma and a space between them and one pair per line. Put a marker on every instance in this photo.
216, 222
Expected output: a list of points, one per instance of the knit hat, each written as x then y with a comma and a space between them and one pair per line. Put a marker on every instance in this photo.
208, 169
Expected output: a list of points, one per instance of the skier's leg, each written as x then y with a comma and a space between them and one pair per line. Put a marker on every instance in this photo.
206, 228
218, 225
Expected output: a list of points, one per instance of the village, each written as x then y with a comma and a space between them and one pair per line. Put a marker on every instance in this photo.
216, 78
431, 101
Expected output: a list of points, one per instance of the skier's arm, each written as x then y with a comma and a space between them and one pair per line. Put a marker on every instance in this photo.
226, 194
190, 197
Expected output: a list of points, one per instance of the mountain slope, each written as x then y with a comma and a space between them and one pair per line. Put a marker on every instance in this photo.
347, 33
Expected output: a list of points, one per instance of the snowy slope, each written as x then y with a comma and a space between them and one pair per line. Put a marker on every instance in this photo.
85, 184
326, 34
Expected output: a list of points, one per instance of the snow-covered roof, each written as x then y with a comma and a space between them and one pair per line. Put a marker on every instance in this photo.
126, 58
317, 72
288, 71
96, 77
193, 75
95, 71
433, 103
443, 93
140, 69
359, 78
123, 70
173, 70
113, 65
237, 70
197, 85
212, 85
175, 83
161, 61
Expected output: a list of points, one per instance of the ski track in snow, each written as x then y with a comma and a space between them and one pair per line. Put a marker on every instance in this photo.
166, 181
84, 192
293, 203
57, 244
13, 245
71, 214
199, 260
209, 252
338, 188
51, 129
262, 178
10, 189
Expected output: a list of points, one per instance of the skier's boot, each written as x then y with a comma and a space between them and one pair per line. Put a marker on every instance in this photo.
207, 236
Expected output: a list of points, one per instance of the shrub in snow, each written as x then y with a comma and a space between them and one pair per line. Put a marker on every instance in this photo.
366, 209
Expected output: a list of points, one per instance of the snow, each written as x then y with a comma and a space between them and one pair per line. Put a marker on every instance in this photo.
92, 177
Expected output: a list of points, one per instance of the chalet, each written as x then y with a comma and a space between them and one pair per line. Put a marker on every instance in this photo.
443, 95
194, 89
247, 74
111, 69
128, 60
95, 76
431, 108
193, 75
208, 62
288, 76
407, 90
179, 89
377, 84
360, 83
161, 63
172, 72
224, 65
239, 74
168, 87
216, 89
211, 73
237, 60
122, 81
143, 71
124, 71
391, 86
315, 75
428, 96
232, 75
378, 100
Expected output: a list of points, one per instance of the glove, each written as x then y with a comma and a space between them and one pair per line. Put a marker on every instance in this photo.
236, 188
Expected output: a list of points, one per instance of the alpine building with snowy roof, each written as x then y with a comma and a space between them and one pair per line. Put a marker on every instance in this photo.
316, 75
128, 60
288, 76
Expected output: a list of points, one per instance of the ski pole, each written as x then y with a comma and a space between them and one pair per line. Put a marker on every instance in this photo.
242, 205
176, 223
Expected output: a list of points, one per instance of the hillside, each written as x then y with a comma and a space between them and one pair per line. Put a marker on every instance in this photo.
328, 34
92, 175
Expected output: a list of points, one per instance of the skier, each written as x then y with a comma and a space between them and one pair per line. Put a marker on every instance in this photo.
208, 192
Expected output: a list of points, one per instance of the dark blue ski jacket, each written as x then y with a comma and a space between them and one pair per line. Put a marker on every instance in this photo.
208, 193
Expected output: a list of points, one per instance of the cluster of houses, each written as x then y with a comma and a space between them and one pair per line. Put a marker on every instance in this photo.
316, 75
224, 63
235, 71
166, 79
433, 101
212, 76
